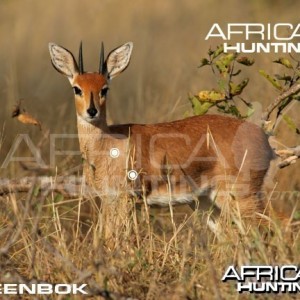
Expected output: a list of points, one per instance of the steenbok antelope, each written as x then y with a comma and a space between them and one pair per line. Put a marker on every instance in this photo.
210, 156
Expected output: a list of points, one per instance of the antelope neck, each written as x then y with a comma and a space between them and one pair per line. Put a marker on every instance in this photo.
97, 127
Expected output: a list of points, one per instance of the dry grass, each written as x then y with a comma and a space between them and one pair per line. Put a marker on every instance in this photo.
138, 252
131, 251
168, 42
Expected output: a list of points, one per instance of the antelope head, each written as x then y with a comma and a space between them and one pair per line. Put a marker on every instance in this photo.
90, 89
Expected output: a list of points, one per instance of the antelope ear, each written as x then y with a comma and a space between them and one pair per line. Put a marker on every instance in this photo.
63, 60
118, 60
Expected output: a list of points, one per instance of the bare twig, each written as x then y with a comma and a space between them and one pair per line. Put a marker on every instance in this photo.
288, 156
68, 186
290, 92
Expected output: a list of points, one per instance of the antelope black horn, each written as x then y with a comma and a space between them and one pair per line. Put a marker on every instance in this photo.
80, 60
102, 67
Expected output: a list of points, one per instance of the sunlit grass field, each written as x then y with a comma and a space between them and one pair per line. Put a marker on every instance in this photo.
122, 249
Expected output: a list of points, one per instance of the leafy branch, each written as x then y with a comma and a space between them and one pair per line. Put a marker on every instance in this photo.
288, 84
229, 89
226, 69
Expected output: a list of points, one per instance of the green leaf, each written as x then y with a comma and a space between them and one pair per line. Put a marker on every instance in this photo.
283, 77
245, 61
234, 111
271, 79
236, 73
222, 84
210, 52
36, 191
224, 62
58, 198
237, 89
204, 107
250, 112
296, 97
210, 96
200, 108
217, 52
187, 114
291, 124
296, 215
195, 104
284, 61
204, 62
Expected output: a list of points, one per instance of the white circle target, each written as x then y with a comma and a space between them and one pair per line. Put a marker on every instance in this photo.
132, 175
114, 152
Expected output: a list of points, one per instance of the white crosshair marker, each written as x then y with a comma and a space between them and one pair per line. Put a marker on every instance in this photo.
114, 152
132, 175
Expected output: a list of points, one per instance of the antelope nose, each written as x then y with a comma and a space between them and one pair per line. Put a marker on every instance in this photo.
92, 112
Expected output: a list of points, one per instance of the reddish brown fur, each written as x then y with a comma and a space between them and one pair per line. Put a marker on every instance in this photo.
88, 82
233, 137
212, 155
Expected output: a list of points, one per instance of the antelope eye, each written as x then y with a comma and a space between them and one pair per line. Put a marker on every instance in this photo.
77, 90
104, 91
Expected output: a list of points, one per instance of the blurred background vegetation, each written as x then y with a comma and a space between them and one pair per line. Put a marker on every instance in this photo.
169, 41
